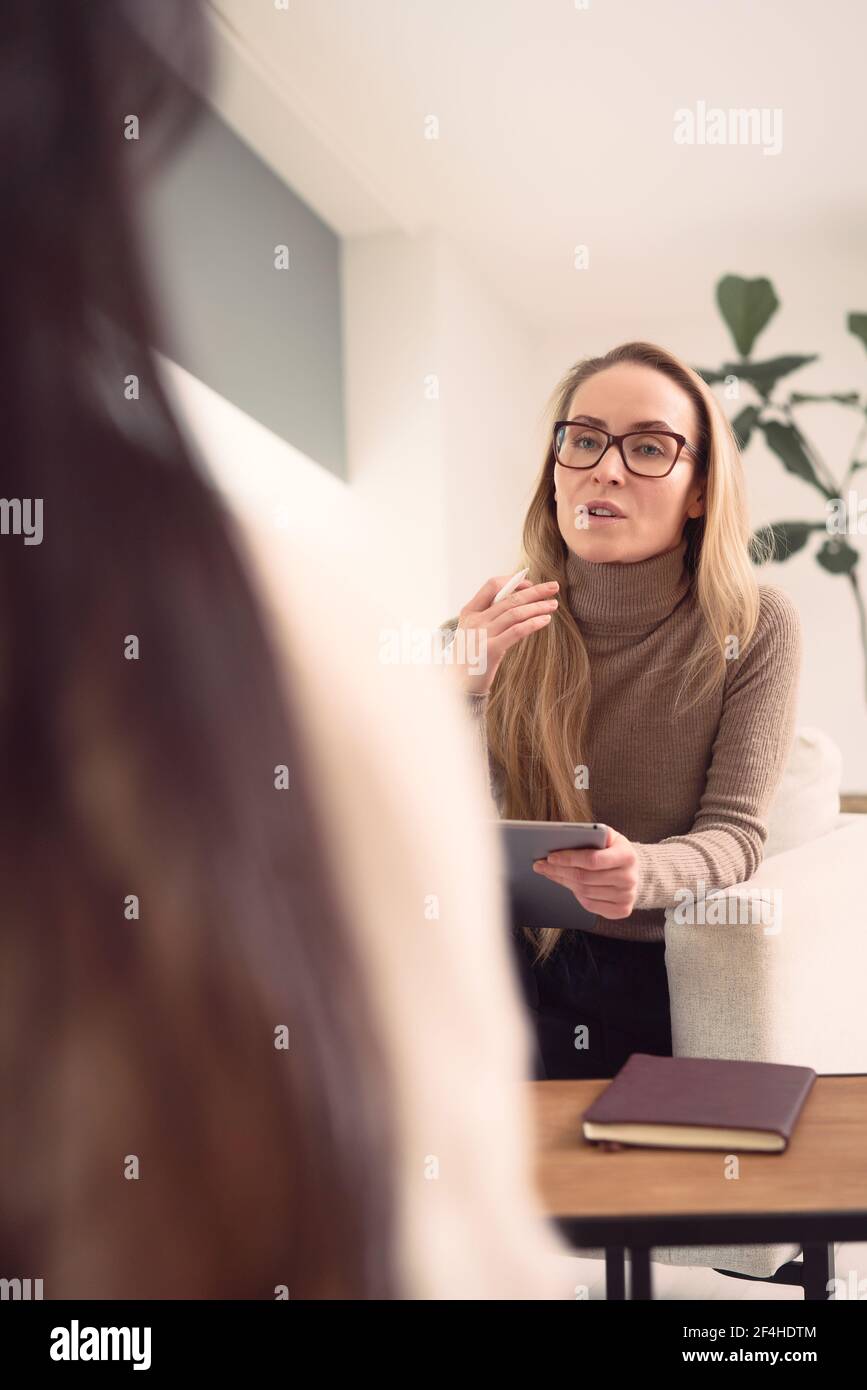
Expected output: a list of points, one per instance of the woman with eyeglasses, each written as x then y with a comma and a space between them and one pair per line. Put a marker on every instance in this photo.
640, 677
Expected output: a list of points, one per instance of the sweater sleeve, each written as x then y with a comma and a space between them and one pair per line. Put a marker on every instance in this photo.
725, 843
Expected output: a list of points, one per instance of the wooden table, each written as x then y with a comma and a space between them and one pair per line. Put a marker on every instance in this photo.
631, 1199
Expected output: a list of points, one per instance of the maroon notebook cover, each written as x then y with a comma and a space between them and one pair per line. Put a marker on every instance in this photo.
704, 1091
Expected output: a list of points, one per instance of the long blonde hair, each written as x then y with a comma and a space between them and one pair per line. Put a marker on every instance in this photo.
537, 708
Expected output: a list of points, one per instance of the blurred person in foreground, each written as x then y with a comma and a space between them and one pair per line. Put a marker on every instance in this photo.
172, 911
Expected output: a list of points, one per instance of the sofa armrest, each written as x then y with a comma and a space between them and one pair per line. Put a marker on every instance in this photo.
788, 988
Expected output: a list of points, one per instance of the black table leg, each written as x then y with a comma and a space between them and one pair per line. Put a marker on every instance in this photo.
818, 1271
639, 1284
615, 1273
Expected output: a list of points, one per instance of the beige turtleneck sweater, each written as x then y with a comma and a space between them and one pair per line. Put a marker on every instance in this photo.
690, 790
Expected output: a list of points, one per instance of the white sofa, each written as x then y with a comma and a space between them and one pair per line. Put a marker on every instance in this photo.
789, 988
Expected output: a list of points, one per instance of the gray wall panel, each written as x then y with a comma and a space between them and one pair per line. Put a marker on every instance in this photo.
268, 340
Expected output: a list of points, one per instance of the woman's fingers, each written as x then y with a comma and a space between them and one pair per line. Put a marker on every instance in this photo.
514, 634
519, 613
605, 893
615, 912
604, 881
618, 875
483, 599
488, 592
533, 593
595, 860
590, 882
527, 609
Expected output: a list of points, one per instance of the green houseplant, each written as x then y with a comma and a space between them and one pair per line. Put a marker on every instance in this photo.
747, 307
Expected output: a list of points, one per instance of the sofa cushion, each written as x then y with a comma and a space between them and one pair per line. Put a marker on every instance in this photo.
807, 801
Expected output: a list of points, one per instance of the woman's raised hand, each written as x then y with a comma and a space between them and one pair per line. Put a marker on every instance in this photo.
523, 612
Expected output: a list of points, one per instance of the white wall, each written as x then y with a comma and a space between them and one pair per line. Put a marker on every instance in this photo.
256, 470
394, 424
264, 337
268, 482
492, 400
440, 412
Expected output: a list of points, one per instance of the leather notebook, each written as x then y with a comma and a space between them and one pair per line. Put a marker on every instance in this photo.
700, 1103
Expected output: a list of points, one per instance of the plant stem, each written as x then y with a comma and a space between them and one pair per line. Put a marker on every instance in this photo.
817, 462
855, 452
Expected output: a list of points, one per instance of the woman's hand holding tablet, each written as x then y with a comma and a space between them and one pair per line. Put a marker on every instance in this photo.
533, 902
605, 881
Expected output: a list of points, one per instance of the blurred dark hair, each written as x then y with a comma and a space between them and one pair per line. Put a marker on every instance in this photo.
155, 777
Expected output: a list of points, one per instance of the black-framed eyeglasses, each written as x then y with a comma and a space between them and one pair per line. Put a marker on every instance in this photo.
648, 453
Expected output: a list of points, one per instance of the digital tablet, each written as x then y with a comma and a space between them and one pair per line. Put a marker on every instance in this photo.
536, 901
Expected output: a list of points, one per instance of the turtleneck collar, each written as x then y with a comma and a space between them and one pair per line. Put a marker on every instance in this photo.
627, 598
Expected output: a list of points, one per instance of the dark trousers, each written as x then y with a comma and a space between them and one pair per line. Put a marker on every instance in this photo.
594, 1002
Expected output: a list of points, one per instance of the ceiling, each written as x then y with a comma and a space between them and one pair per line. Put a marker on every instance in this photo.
556, 130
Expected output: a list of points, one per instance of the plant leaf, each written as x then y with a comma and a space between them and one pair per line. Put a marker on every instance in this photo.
745, 423
765, 375
787, 444
841, 397
837, 557
786, 537
747, 307
857, 324
710, 374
